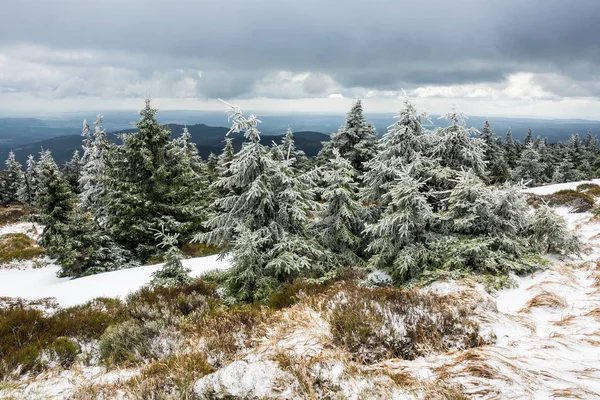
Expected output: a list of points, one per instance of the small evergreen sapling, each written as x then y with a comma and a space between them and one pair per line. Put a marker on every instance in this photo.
173, 273
28, 188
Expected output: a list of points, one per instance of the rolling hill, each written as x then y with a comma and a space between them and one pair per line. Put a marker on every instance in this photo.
207, 138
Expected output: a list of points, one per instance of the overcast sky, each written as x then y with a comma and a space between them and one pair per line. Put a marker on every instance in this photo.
492, 57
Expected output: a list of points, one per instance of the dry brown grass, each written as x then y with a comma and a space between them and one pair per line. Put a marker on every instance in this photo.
595, 313
566, 320
545, 299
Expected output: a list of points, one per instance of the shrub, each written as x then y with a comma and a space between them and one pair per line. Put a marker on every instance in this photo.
11, 215
62, 351
124, 343
26, 333
18, 246
193, 250
374, 324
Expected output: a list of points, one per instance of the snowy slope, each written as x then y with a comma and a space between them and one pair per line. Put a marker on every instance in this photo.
39, 283
549, 189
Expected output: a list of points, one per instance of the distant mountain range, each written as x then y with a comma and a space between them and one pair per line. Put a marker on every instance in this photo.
208, 139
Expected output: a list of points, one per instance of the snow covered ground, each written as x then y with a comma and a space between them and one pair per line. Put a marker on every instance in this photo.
545, 332
549, 189
39, 283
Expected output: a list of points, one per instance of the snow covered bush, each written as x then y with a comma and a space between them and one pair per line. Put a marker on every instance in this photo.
549, 233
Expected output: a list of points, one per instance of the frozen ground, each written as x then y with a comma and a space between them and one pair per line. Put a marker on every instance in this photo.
545, 334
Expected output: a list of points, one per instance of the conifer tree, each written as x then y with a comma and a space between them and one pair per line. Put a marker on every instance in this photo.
356, 140
529, 138
454, 147
173, 273
399, 235
263, 219
226, 156
404, 141
510, 150
494, 155
73, 170
93, 175
212, 167
550, 234
191, 152
11, 179
55, 202
29, 185
529, 168
339, 225
139, 186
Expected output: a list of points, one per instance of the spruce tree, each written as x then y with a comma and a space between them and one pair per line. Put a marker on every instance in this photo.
212, 167
11, 180
55, 202
139, 185
529, 168
549, 233
454, 147
94, 172
262, 220
356, 140
404, 141
529, 138
226, 156
29, 184
494, 155
399, 235
172, 273
73, 170
339, 225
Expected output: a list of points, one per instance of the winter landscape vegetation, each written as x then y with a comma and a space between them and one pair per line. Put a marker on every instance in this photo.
404, 256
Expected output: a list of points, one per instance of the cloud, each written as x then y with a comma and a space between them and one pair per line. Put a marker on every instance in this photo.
181, 49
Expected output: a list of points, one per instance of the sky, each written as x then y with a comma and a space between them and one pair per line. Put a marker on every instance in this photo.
534, 58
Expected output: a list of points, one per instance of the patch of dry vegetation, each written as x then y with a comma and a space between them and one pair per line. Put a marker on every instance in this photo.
18, 246
545, 299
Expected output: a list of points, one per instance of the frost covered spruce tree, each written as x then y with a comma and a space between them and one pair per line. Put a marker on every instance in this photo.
455, 148
262, 220
287, 150
93, 170
356, 140
404, 141
494, 155
529, 167
397, 238
141, 185
226, 156
338, 227
28, 187
54, 201
173, 273
12, 177
72, 171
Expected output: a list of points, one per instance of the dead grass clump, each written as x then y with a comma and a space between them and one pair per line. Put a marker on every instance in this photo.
595, 313
545, 299
374, 324
170, 378
589, 188
225, 331
578, 201
18, 246
12, 215
98, 391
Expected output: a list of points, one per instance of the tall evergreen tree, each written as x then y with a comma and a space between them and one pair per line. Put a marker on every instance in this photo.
356, 140
139, 185
494, 155
72, 171
11, 179
529, 168
94, 172
55, 202
404, 141
339, 225
262, 221
528, 138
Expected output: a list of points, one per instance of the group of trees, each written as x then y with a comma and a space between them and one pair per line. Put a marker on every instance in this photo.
412, 202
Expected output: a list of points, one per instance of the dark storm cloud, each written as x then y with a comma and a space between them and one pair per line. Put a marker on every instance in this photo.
377, 44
